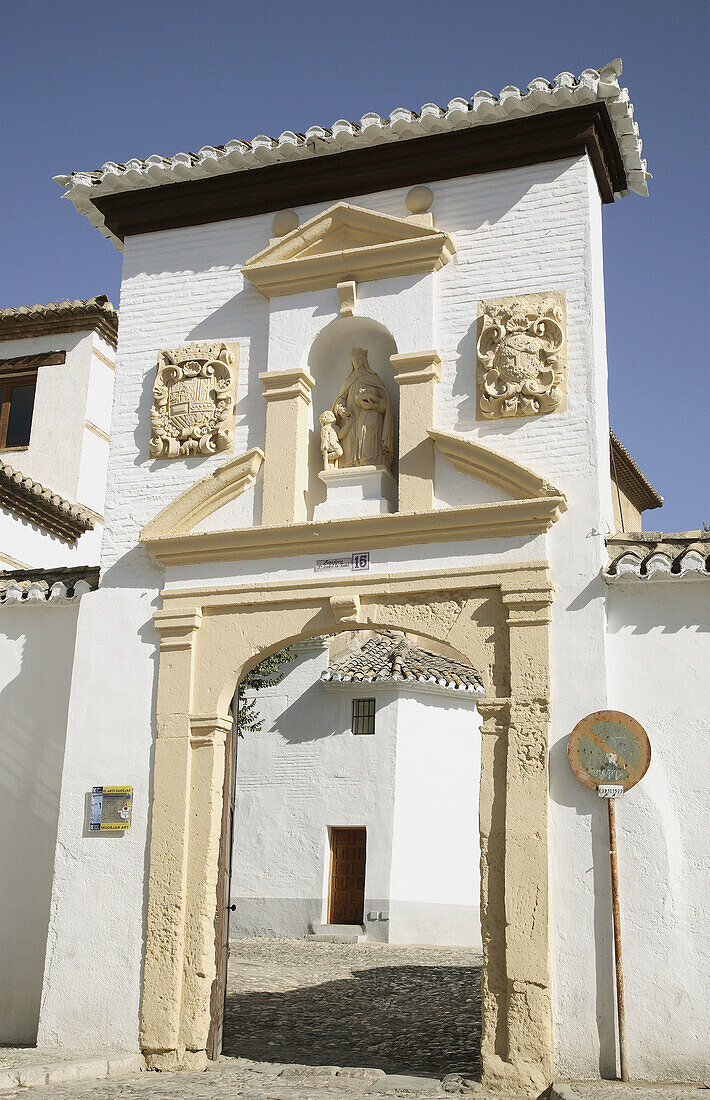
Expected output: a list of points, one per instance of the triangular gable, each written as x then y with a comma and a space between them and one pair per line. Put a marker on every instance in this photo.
495, 469
347, 242
205, 496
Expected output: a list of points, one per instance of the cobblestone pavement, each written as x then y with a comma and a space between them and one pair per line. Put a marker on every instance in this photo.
230, 1079
398, 1008
234, 1079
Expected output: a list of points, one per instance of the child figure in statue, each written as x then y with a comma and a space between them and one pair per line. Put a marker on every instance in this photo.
329, 443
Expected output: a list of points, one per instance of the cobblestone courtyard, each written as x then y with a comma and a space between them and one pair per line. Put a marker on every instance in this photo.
401, 1009
323, 1021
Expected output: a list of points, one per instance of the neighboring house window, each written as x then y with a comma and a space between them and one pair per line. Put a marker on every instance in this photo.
363, 715
17, 398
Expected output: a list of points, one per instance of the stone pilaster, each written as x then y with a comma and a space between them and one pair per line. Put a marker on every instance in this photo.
416, 374
169, 846
528, 1045
287, 395
208, 736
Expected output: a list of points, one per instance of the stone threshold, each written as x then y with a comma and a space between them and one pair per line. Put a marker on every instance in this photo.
29, 1067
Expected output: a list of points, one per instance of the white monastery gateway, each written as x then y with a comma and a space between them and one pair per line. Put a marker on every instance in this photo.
359, 384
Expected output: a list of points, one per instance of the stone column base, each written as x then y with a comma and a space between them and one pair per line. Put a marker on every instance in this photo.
357, 491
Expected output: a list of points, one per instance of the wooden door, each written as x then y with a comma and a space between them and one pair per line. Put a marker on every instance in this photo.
218, 994
347, 875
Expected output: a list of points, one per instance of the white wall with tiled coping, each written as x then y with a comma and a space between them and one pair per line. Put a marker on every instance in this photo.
524, 230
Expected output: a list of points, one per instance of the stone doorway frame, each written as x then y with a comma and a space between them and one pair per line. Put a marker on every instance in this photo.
498, 618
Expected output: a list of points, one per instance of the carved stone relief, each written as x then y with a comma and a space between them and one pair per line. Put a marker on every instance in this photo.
427, 614
521, 350
359, 429
194, 400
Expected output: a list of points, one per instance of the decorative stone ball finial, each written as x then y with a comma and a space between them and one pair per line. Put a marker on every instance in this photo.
285, 222
419, 200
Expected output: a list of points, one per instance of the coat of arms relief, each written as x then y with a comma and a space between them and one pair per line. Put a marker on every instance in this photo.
194, 399
521, 349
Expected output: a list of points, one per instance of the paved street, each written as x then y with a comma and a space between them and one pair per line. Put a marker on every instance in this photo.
322, 1021
401, 1009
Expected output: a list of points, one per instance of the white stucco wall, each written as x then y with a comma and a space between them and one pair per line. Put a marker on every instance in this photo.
529, 229
96, 929
435, 884
659, 655
413, 786
63, 454
302, 774
36, 655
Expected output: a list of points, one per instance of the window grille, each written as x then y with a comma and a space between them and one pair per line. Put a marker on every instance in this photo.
363, 716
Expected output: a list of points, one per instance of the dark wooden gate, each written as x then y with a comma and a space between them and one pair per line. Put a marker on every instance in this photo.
347, 875
218, 993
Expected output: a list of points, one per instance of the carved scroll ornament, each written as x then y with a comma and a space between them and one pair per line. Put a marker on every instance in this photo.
521, 363
194, 400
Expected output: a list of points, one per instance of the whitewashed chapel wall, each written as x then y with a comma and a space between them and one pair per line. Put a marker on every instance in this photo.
530, 229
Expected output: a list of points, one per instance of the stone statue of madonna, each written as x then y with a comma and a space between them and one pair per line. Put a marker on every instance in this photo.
364, 418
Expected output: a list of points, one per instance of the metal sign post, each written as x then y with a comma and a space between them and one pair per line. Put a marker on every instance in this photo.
609, 752
620, 1010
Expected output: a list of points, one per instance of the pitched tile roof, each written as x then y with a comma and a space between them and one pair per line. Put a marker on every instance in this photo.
57, 585
650, 555
631, 477
390, 658
541, 96
30, 499
17, 322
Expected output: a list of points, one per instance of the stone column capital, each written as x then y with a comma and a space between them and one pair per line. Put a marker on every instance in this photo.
282, 385
208, 729
495, 716
528, 607
177, 629
417, 366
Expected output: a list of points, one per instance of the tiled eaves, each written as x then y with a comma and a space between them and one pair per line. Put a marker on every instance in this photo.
390, 659
483, 109
631, 477
47, 509
19, 322
651, 555
40, 586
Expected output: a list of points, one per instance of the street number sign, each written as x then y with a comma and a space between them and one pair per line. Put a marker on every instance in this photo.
609, 748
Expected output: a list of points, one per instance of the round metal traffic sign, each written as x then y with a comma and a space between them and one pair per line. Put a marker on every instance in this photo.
609, 747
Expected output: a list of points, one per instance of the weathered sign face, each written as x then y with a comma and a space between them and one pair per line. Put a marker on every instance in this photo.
609, 747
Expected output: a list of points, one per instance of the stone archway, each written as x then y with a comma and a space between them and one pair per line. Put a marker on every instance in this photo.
498, 618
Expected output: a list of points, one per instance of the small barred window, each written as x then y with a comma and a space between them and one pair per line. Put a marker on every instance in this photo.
363, 715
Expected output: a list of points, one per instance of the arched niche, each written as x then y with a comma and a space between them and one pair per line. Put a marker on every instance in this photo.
329, 363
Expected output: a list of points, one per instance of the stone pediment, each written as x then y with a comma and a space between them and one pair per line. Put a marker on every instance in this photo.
481, 462
205, 497
343, 243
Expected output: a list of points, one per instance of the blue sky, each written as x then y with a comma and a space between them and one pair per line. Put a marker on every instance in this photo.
83, 83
